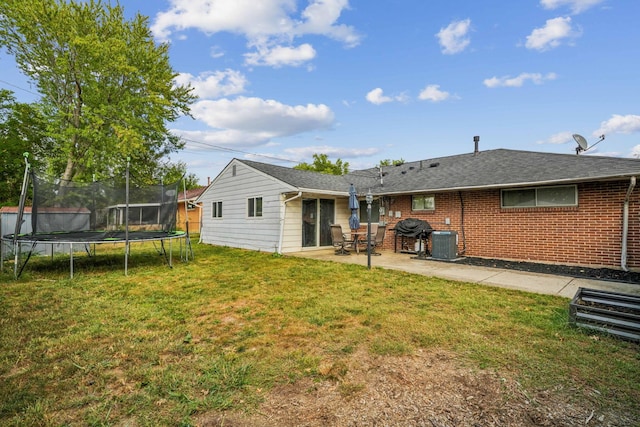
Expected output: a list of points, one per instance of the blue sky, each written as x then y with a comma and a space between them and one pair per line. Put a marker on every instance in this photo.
363, 80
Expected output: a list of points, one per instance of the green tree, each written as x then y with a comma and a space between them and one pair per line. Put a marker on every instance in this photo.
107, 88
389, 162
322, 164
171, 172
22, 129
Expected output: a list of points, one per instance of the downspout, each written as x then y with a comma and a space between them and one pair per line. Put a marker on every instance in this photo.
464, 239
625, 224
199, 207
283, 211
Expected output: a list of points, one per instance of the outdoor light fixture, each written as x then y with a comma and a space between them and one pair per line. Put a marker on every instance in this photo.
369, 199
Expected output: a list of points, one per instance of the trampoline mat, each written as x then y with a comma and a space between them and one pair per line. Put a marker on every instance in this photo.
95, 236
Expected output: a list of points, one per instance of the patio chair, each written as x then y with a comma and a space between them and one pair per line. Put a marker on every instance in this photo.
339, 240
377, 239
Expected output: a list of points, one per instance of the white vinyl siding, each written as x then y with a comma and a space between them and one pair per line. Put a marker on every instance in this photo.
233, 188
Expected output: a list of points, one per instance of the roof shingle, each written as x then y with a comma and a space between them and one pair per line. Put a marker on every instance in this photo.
485, 169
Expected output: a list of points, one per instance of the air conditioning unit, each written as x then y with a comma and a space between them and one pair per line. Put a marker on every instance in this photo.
444, 244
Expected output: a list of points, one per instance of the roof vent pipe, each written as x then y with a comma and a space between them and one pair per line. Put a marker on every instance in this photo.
476, 140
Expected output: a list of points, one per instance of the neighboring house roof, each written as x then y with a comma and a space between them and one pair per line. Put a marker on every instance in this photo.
485, 169
191, 194
43, 209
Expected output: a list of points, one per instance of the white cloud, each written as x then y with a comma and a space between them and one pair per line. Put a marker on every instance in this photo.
453, 38
251, 122
268, 24
577, 6
214, 84
235, 16
216, 52
376, 97
552, 34
558, 138
619, 124
205, 139
266, 118
434, 94
518, 81
635, 152
320, 18
281, 55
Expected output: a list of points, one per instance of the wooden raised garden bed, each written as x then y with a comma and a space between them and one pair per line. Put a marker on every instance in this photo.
614, 313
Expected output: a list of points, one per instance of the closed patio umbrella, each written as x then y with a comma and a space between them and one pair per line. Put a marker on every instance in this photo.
354, 221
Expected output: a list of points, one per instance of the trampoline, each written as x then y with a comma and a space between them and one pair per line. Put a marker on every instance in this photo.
84, 214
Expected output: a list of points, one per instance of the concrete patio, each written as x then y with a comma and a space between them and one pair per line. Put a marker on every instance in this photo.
564, 286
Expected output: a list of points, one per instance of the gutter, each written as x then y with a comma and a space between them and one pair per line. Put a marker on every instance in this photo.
502, 185
625, 224
283, 211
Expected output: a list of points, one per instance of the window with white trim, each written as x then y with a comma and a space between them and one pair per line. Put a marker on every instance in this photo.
254, 207
216, 209
557, 195
423, 202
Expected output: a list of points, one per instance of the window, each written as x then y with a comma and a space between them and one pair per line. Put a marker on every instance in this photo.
138, 215
423, 203
559, 195
254, 207
216, 210
375, 211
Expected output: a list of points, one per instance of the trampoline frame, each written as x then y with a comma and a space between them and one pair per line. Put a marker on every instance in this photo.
89, 237
117, 237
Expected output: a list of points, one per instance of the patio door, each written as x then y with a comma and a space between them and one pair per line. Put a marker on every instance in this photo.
317, 217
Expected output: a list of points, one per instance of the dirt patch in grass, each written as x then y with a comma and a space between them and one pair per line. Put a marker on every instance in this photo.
425, 389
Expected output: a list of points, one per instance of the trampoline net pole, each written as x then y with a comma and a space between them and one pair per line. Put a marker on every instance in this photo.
19, 220
187, 247
126, 220
16, 248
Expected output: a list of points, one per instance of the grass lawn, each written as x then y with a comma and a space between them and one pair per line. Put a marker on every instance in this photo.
161, 345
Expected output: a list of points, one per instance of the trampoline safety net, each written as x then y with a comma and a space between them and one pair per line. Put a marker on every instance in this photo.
102, 210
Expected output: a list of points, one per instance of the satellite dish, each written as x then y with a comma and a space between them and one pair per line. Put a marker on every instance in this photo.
583, 145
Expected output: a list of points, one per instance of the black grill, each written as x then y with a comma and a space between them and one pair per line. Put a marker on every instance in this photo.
411, 227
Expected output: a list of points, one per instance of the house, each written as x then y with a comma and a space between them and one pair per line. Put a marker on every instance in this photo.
55, 218
507, 204
189, 211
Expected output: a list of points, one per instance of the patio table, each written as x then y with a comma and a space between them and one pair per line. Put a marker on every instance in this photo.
356, 236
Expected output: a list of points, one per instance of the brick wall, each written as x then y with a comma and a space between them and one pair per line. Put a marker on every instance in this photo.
589, 234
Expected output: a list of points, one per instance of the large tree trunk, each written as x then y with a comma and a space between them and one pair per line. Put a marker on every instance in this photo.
67, 176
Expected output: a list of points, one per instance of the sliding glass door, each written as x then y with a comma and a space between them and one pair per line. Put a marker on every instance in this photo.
317, 217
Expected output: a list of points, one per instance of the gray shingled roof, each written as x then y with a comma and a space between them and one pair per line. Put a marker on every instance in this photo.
485, 169
303, 179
